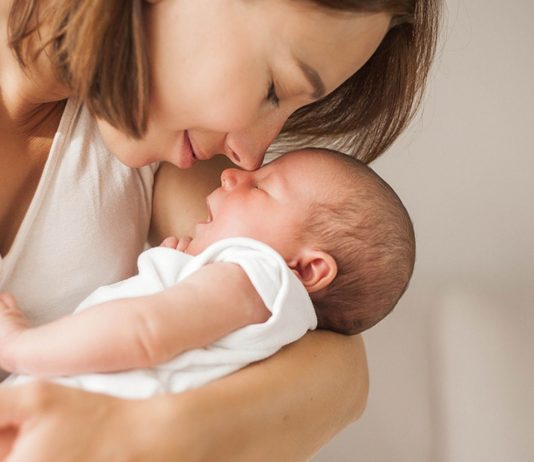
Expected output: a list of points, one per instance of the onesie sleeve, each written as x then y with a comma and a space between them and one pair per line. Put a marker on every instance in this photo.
281, 291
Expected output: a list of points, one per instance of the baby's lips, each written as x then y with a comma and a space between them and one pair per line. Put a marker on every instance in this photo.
209, 219
209, 216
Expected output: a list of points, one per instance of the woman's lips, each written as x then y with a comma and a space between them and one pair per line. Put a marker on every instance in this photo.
187, 158
197, 154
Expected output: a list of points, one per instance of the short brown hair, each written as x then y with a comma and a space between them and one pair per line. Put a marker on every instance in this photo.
367, 230
94, 44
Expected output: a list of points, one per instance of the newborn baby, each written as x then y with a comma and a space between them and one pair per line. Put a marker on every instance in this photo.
298, 244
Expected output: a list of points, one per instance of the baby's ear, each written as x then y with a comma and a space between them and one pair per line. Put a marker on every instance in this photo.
315, 269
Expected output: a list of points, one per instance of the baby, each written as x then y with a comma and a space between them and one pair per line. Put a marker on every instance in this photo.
313, 239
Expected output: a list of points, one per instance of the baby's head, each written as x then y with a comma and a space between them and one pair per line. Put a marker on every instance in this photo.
365, 227
338, 225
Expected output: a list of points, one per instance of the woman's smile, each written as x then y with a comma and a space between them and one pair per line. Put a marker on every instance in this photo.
186, 158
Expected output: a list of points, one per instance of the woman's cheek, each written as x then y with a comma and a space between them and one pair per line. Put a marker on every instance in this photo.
233, 113
230, 102
118, 144
132, 152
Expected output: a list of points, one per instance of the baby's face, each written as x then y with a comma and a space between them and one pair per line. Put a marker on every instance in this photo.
269, 204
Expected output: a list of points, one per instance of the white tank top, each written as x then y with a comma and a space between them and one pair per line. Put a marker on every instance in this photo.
85, 226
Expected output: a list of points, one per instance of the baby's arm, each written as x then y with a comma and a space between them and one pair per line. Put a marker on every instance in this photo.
135, 332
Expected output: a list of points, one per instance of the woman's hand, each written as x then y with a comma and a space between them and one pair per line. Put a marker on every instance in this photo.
45, 422
284, 408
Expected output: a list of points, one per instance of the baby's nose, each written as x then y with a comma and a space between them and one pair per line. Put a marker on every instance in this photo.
229, 178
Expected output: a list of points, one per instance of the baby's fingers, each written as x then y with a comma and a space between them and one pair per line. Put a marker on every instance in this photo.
180, 244
183, 244
171, 242
11, 316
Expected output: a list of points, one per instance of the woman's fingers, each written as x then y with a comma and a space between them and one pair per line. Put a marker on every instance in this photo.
7, 438
60, 424
11, 407
18, 402
25, 410
8, 300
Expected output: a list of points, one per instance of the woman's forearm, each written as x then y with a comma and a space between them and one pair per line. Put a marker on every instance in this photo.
284, 408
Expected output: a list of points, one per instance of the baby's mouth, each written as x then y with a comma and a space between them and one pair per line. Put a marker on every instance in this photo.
209, 219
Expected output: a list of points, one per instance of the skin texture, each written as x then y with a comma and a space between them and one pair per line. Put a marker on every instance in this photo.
282, 409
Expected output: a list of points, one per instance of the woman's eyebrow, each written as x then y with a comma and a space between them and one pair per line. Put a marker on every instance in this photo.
314, 79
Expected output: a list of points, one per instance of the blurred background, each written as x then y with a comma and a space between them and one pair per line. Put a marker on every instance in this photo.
452, 369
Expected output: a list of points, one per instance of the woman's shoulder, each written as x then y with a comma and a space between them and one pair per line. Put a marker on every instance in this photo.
78, 138
86, 225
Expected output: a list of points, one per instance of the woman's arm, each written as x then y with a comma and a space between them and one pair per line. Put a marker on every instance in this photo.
284, 408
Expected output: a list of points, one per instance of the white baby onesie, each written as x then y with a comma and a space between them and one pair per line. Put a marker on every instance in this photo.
281, 291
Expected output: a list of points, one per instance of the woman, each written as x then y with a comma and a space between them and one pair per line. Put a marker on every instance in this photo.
181, 81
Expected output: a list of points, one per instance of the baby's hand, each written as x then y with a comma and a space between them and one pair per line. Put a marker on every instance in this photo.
12, 323
180, 244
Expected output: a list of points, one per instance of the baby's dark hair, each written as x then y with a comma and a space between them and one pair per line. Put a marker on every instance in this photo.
369, 233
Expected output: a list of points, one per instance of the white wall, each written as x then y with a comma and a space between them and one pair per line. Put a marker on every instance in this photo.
452, 369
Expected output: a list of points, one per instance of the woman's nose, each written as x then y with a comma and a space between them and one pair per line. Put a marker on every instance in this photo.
247, 147
248, 158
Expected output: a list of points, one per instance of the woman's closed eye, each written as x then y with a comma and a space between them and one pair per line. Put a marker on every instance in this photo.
272, 95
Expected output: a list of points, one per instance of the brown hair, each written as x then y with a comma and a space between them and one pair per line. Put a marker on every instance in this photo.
365, 227
367, 113
97, 49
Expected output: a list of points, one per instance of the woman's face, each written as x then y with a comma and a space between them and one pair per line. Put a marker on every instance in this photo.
227, 74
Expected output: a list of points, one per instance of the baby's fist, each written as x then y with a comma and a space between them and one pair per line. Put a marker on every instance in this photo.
12, 322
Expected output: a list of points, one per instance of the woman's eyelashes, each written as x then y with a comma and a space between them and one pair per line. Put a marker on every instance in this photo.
272, 96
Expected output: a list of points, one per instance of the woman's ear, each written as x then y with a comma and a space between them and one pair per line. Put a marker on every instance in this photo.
315, 269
